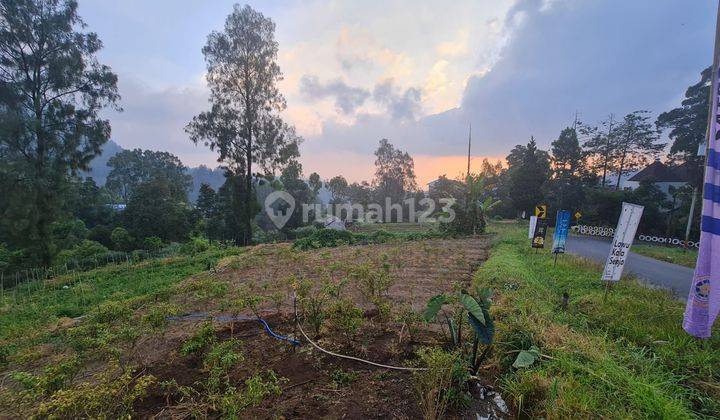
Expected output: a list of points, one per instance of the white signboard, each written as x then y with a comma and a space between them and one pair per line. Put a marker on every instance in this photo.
533, 222
622, 241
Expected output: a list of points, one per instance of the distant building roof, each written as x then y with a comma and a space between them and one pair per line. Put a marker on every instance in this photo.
659, 172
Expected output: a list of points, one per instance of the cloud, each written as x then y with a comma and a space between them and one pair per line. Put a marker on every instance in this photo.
402, 105
347, 98
155, 119
559, 58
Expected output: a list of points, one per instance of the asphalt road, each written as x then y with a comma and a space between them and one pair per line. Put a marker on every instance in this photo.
658, 273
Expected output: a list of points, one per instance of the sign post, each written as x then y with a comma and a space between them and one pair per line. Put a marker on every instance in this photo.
622, 241
538, 239
533, 223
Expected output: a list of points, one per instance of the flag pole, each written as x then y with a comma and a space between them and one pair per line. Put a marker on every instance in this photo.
699, 316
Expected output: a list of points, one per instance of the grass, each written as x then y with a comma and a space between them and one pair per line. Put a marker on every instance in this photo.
29, 309
621, 357
681, 256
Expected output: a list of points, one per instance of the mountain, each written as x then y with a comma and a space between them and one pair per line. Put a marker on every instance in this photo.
202, 174
98, 167
215, 178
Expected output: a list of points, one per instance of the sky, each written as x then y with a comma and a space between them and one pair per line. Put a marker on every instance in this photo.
418, 73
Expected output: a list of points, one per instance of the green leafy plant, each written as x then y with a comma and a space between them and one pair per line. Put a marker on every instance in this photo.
203, 337
345, 317
526, 358
259, 386
374, 281
341, 378
111, 395
473, 308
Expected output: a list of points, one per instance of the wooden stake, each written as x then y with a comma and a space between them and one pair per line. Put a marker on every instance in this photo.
607, 289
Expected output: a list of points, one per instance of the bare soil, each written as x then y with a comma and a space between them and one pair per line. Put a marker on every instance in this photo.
420, 269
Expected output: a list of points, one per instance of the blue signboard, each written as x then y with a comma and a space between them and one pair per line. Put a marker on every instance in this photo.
562, 226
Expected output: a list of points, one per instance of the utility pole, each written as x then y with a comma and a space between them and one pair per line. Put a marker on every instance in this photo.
607, 150
469, 143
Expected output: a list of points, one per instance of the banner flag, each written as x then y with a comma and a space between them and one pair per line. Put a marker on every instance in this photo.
703, 303
533, 222
622, 241
562, 226
538, 240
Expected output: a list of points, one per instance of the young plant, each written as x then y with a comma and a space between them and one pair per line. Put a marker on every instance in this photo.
345, 317
475, 310
374, 283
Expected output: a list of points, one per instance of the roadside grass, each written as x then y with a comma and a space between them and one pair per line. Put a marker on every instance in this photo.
624, 356
686, 257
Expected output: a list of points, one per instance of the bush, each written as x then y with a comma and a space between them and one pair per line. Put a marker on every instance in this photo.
86, 250
194, 246
140, 255
10, 260
324, 238
303, 232
344, 316
152, 243
122, 240
101, 233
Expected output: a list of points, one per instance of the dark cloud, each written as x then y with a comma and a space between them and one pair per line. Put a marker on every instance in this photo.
402, 105
347, 98
593, 57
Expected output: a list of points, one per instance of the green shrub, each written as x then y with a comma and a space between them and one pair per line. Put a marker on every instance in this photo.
194, 246
303, 232
55, 376
84, 251
345, 316
111, 395
152, 243
202, 338
326, 238
122, 240
257, 388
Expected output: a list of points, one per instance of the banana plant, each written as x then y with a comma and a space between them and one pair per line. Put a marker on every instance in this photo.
476, 310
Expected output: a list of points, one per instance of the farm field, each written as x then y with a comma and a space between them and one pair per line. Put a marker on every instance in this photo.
178, 337
147, 345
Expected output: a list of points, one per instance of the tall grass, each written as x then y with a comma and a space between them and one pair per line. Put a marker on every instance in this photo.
621, 356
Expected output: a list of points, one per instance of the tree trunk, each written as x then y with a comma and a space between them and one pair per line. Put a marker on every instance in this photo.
620, 171
248, 193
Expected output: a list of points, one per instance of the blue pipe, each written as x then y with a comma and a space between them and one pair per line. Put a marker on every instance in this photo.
278, 336
226, 318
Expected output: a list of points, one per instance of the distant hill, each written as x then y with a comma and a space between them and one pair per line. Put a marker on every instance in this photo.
98, 167
202, 174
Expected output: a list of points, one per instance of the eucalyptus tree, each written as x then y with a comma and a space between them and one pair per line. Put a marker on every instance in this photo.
52, 89
243, 123
635, 143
